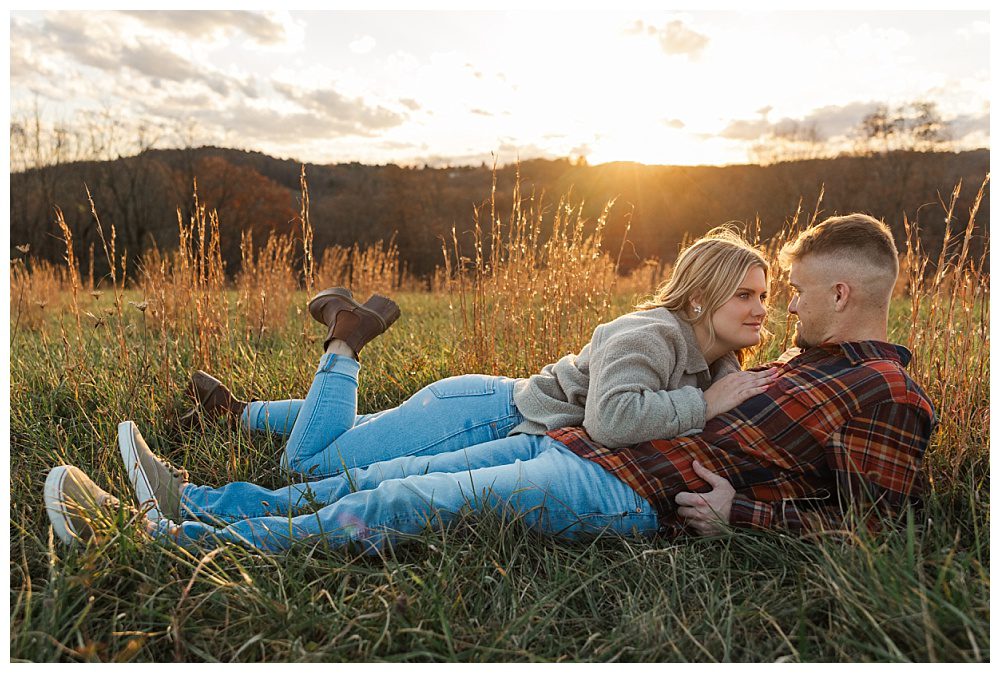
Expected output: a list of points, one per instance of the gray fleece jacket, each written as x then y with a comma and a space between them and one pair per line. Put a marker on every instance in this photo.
641, 377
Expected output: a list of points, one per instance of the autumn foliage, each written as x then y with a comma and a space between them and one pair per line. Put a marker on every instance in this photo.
245, 200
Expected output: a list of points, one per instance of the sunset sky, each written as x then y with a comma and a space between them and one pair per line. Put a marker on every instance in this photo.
452, 87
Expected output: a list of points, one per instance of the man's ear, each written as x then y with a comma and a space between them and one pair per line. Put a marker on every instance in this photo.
841, 293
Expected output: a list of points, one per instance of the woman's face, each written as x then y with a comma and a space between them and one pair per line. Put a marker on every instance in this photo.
738, 322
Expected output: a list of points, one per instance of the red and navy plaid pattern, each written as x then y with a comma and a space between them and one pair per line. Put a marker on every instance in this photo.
842, 430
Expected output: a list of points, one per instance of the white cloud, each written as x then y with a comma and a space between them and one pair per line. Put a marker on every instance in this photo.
200, 24
746, 129
340, 113
676, 38
650, 85
362, 45
966, 126
838, 120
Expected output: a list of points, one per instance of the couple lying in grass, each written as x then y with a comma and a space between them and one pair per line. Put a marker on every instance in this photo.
652, 428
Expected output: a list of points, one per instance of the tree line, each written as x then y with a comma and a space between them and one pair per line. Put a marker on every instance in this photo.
659, 206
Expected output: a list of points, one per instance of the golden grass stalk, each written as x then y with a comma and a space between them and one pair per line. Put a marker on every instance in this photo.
72, 273
523, 297
117, 284
948, 332
266, 284
307, 233
185, 289
374, 268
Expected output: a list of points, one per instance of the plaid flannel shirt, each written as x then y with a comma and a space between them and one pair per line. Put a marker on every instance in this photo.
842, 429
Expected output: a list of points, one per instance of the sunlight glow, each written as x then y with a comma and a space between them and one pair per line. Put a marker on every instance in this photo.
656, 87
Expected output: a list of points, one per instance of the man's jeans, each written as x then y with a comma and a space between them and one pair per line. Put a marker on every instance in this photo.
395, 472
528, 477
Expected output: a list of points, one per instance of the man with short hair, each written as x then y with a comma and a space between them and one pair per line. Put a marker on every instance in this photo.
841, 432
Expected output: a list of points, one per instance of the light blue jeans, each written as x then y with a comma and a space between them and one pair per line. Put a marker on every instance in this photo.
379, 476
327, 436
528, 477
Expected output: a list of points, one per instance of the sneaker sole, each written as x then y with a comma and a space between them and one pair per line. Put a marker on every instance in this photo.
55, 506
133, 470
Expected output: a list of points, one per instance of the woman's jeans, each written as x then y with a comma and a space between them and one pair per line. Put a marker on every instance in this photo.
326, 436
395, 472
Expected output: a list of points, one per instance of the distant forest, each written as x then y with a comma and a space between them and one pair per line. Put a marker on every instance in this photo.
354, 203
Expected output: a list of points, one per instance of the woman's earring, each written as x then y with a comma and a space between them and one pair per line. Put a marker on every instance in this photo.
697, 310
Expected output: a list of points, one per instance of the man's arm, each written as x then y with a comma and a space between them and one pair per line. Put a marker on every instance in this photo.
875, 460
709, 513
787, 516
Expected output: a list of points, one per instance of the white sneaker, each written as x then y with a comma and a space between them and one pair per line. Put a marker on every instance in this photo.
156, 482
78, 508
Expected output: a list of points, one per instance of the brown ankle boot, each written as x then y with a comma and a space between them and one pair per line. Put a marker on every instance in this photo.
212, 397
356, 324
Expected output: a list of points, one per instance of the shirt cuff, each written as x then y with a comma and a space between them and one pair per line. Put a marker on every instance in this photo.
699, 410
746, 513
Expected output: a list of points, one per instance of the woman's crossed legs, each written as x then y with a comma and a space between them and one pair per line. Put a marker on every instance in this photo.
327, 436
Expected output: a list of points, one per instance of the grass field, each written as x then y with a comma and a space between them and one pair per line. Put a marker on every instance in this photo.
487, 589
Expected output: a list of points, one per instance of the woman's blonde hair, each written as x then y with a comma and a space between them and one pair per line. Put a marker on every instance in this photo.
711, 267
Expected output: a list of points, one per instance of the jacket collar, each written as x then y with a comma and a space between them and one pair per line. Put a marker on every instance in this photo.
695, 358
857, 352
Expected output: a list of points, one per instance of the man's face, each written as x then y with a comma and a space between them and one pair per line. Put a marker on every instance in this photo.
812, 302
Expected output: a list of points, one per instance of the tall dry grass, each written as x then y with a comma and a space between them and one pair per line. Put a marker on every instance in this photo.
533, 286
364, 269
523, 297
184, 289
185, 293
948, 333
35, 286
267, 284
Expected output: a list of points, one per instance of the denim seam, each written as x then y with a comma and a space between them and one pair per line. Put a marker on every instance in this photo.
227, 519
331, 367
569, 520
461, 393
415, 452
198, 510
508, 422
487, 387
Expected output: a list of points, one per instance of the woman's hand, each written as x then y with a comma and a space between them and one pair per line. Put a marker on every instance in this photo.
732, 389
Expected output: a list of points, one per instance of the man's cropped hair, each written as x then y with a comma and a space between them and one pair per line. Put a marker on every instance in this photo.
857, 236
